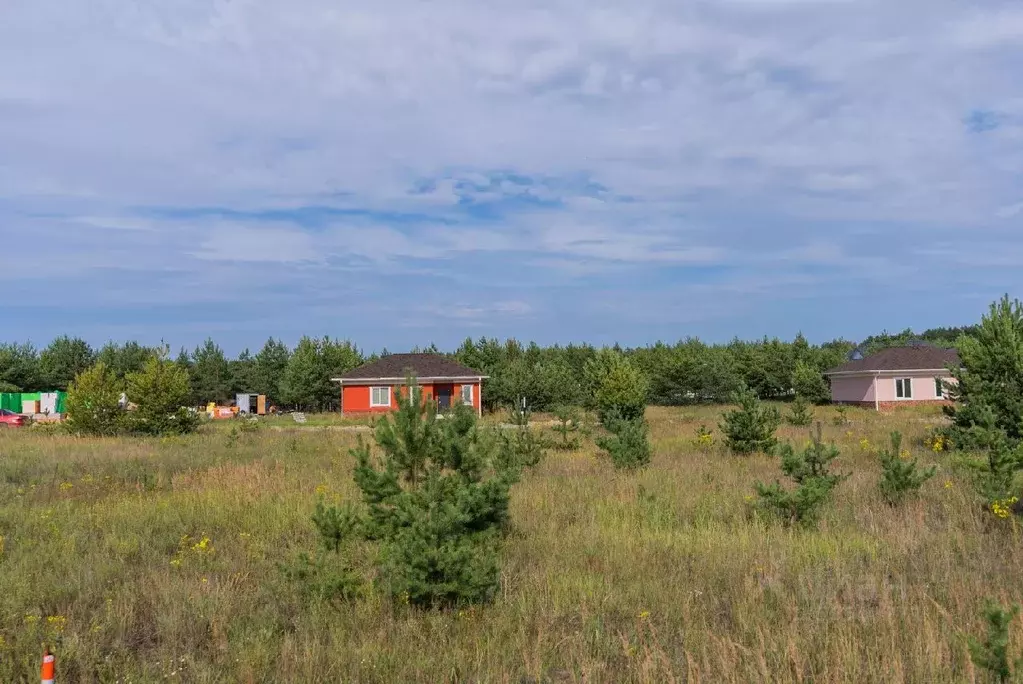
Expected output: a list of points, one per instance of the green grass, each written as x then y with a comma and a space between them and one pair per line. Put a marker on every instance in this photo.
657, 576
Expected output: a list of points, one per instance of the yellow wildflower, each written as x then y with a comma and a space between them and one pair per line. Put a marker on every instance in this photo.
322, 489
1003, 508
203, 546
56, 623
64, 486
904, 454
644, 615
31, 619
865, 444
948, 484
176, 562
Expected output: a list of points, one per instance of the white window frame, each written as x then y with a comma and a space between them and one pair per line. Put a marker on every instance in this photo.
939, 388
904, 384
372, 398
461, 393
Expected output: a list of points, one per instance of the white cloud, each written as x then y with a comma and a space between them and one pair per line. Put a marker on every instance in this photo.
648, 136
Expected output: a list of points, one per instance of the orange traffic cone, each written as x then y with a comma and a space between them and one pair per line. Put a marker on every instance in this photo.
46, 673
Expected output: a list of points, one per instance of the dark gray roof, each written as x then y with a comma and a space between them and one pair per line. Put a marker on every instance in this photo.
916, 357
422, 365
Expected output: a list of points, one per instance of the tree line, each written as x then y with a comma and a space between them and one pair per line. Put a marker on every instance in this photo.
688, 371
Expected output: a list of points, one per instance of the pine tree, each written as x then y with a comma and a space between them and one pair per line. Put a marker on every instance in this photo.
271, 365
627, 443
160, 392
64, 359
901, 476
809, 383
810, 471
210, 374
750, 428
988, 391
801, 414
437, 502
992, 654
93, 403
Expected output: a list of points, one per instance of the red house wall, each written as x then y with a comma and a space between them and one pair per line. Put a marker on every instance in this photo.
355, 399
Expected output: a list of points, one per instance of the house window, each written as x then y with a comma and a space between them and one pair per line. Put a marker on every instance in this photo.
467, 395
939, 388
379, 396
903, 388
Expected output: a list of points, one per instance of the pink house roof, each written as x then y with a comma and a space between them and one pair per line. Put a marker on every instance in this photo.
917, 357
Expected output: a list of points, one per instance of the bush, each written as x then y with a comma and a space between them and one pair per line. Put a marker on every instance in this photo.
750, 428
900, 475
618, 387
159, 392
627, 444
810, 472
93, 403
523, 448
992, 654
437, 502
567, 429
800, 414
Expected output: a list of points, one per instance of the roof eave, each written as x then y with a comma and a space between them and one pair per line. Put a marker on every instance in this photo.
432, 378
868, 371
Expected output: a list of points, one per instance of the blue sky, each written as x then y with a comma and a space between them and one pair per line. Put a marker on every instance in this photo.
409, 172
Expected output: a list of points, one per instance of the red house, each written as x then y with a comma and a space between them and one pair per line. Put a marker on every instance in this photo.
370, 387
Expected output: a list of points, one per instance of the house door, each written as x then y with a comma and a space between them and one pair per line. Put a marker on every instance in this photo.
444, 394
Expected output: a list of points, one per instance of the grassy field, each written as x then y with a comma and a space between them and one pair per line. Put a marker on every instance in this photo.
157, 560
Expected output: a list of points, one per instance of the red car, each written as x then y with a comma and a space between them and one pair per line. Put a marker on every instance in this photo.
11, 419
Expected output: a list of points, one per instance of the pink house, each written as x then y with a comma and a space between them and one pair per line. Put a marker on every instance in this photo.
917, 374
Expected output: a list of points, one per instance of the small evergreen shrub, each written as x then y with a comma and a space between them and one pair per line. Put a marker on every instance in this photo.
801, 413
436, 504
567, 429
523, 448
627, 443
814, 483
841, 415
900, 475
750, 428
992, 653
329, 575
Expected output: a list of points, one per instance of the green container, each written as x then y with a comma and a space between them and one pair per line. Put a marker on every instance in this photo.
10, 401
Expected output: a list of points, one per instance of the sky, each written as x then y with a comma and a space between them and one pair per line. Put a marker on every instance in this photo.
406, 172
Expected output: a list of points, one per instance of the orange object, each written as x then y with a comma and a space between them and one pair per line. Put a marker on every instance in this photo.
46, 672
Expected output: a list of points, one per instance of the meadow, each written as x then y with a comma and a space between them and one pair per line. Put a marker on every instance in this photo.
146, 560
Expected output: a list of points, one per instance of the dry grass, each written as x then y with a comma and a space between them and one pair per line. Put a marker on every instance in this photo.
659, 576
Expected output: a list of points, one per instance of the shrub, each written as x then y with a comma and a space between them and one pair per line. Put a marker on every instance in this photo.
159, 392
329, 575
810, 472
627, 444
800, 414
617, 385
992, 653
523, 448
437, 501
93, 403
750, 427
841, 415
900, 476
567, 429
